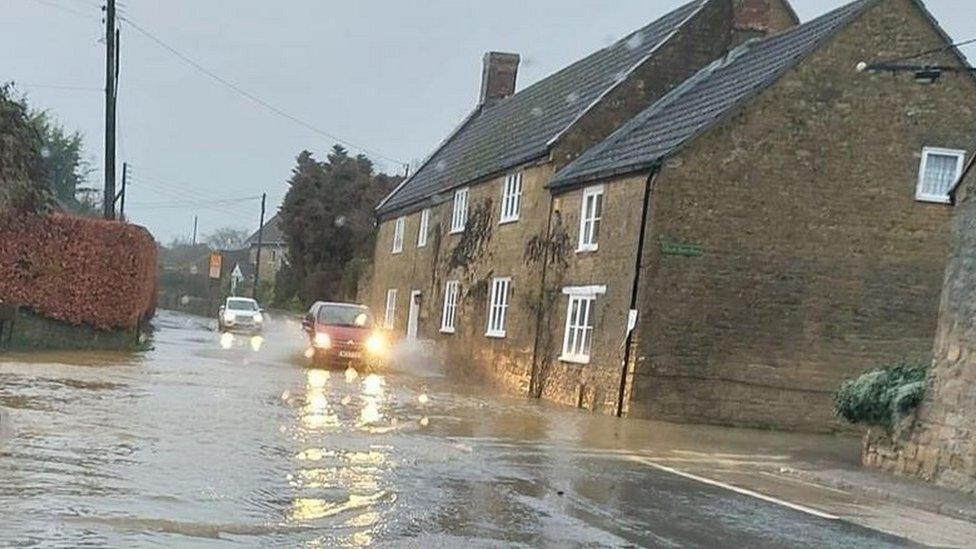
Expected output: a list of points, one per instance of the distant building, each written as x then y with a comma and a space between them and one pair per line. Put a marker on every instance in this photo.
273, 248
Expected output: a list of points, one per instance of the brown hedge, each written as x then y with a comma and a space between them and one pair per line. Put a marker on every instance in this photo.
83, 271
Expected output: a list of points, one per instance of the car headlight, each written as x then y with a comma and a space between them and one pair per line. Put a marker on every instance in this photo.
376, 344
258, 318
228, 317
322, 340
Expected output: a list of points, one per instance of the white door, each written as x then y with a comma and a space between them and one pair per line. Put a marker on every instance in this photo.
414, 315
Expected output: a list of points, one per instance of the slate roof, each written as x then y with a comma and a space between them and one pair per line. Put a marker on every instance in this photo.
704, 99
271, 235
519, 128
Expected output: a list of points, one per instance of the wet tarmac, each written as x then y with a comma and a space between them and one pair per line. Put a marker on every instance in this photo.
203, 442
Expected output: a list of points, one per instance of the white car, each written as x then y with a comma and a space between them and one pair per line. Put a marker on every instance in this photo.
240, 314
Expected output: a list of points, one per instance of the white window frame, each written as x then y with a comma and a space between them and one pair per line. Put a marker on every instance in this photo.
390, 313
498, 306
449, 315
573, 343
929, 151
399, 227
459, 213
511, 198
586, 242
424, 226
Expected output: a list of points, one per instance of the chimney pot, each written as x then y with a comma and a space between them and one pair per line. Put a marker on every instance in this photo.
498, 76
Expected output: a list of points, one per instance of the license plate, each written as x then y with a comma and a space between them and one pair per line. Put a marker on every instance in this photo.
349, 354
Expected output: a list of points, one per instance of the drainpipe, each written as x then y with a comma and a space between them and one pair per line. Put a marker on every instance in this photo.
534, 373
628, 343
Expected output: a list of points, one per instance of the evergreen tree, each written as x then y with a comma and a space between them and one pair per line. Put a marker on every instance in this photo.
327, 218
63, 165
21, 187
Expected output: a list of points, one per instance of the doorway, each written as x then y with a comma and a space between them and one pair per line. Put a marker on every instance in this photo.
414, 315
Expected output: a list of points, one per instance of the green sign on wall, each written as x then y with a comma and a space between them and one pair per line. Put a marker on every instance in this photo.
677, 248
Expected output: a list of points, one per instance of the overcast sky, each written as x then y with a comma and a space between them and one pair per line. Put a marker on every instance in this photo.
391, 76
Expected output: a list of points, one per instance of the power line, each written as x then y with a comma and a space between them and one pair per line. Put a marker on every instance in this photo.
165, 189
182, 203
59, 87
66, 9
251, 96
933, 50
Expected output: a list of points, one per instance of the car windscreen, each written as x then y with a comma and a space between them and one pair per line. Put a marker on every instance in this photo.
241, 305
344, 315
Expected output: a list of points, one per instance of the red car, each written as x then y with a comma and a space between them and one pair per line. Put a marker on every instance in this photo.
344, 334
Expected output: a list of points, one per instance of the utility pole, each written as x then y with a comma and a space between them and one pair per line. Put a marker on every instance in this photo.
194, 230
121, 196
257, 258
111, 65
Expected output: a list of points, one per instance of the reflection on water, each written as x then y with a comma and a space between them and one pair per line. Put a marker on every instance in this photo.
350, 484
234, 438
373, 385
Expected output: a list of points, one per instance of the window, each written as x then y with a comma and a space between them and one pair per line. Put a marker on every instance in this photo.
451, 290
497, 307
390, 309
938, 173
398, 235
459, 217
424, 224
578, 337
511, 198
590, 215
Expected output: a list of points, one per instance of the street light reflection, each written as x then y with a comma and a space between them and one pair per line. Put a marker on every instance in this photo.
316, 413
370, 412
373, 385
256, 343
227, 340
317, 378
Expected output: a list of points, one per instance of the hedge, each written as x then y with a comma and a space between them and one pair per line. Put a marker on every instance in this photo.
79, 270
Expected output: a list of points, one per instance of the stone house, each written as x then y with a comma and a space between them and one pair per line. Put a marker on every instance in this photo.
760, 228
938, 443
443, 226
273, 247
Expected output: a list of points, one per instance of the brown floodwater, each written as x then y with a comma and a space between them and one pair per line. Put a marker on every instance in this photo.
206, 441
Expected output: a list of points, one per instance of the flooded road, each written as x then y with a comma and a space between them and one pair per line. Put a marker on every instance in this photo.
202, 444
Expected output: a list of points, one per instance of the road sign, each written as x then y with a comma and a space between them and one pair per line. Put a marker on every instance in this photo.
215, 264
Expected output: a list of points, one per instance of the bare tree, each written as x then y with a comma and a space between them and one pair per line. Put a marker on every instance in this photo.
227, 238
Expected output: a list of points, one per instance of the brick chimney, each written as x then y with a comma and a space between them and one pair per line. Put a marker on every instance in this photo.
498, 76
756, 18
752, 14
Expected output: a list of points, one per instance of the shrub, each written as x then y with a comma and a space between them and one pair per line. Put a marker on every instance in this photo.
82, 271
880, 397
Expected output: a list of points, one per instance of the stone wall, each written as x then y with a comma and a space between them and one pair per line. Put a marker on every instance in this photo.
938, 443
817, 261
